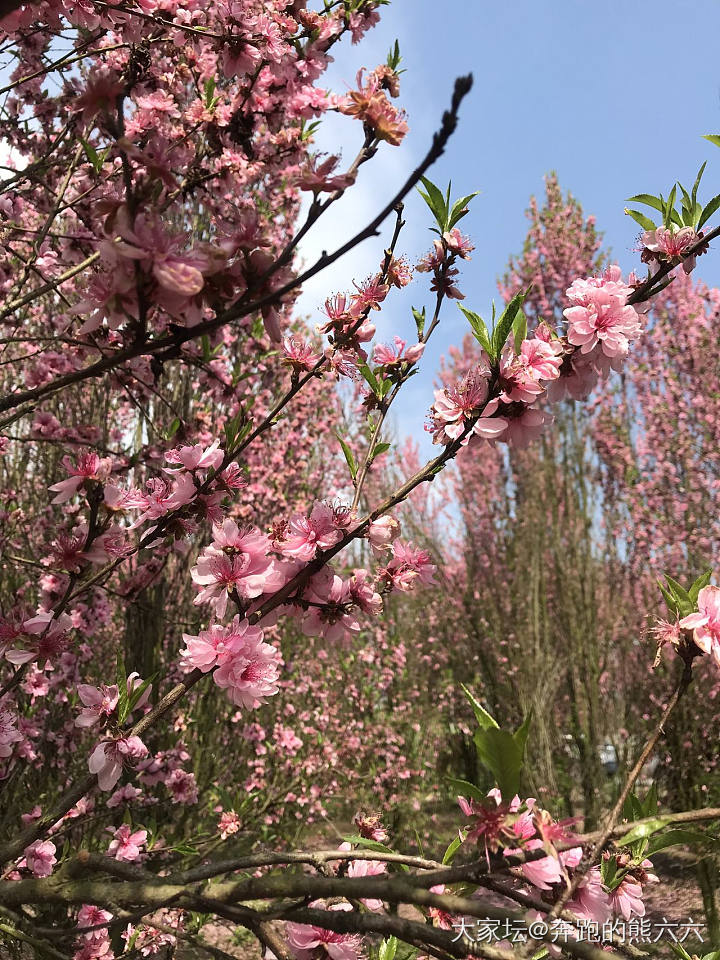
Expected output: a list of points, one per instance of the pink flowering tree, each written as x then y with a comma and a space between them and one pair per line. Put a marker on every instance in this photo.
182, 529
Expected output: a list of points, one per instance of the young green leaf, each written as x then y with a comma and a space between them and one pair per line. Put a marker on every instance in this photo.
521, 734
713, 138
702, 581
452, 850
465, 789
519, 330
505, 322
484, 719
370, 379
459, 209
480, 331
388, 948
674, 838
645, 222
643, 830
436, 202
501, 754
709, 209
349, 458
419, 318
648, 200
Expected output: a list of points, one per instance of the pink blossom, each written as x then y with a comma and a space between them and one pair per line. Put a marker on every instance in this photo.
228, 824
196, 457
409, 566
329, 615
705, 624
299, 354
457, 404
306, 941
40, 858
94, 944
458, 243
182, 786
98, 702
672, 242
237, 562
123, 795
304, 536
600, 315
382, 532
368, 868
591, 900
318, 176
89, 467
251, 674
9, 734
126, 845
162, 496
218, 644
109, 756
370, 826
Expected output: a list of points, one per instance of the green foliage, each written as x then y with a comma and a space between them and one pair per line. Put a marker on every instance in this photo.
498, 751
349, 458
690, 213
681, 602
511, 320
446, 216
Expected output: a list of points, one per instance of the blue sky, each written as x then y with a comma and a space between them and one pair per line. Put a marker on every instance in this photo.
615, 97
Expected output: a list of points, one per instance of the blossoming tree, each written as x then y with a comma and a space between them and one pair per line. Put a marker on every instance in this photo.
155, 388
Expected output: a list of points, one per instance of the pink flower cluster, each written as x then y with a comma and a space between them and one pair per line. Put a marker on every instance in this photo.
94, 944
523, 827
247, 668
240, 565
440, 261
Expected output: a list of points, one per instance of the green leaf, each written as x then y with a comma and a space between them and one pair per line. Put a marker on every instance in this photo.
505, 322
210, 85
648, 200
121, 681
480, 331
669, 599
521, 734
643, 830
708, 211
649, 804
702, 581
436, 202
380, 449
670, 207
501, 754
713, 138
673, 838
459, 209
370, 378
419, 321
680, 950
484, 719
698, 178
677, 590
519, 329
645, 222
465, 789
388, 948
349, 458
452, 850
135, 696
